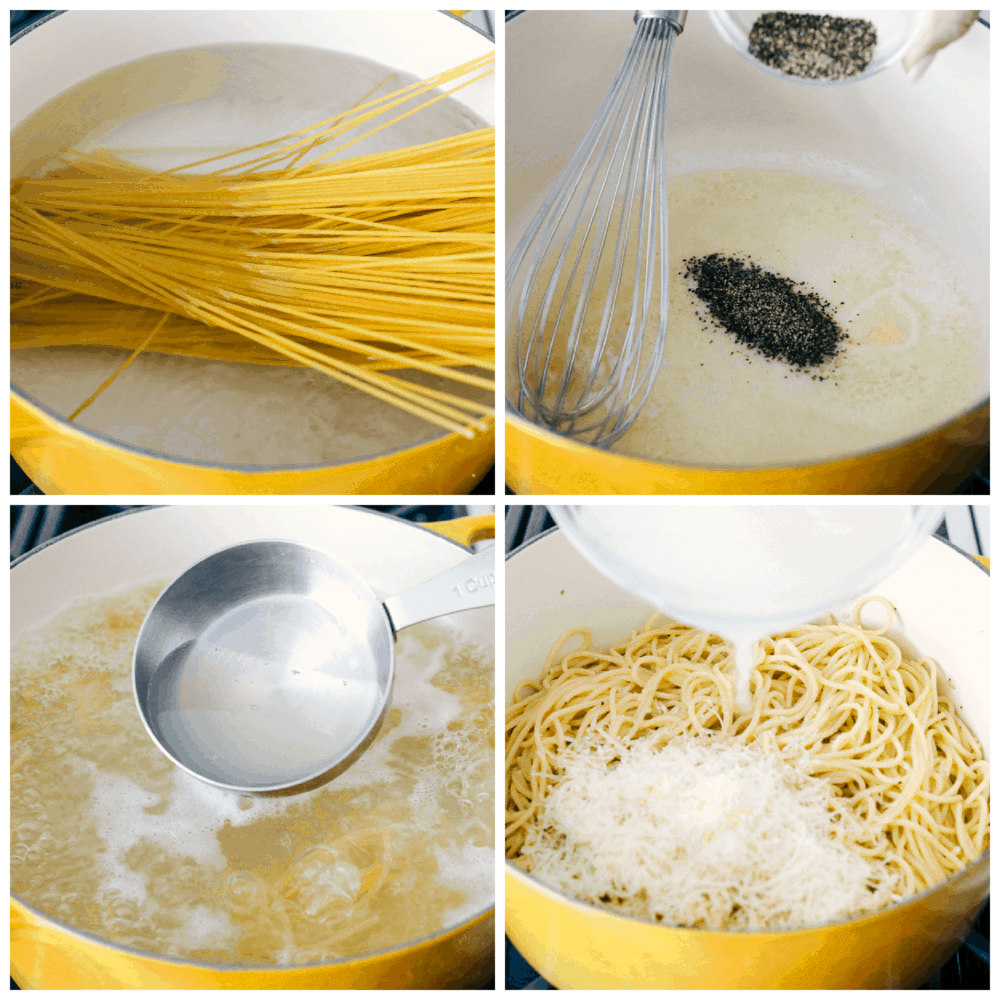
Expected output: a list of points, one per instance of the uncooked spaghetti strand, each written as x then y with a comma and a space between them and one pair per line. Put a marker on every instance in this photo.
107, 382
351, 375
393, 121
354, 107
414, 89
159, 232
406, 170
41, 296
344, 128
145, 280
406, 397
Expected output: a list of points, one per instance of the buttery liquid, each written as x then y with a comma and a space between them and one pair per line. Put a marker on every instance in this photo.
108, 836
916, 354
176, 108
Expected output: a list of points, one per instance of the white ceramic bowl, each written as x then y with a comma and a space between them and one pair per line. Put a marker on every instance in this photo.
897, 30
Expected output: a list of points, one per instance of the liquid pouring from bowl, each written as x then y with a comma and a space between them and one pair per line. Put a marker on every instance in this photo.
745, 572
268, 663
593, 267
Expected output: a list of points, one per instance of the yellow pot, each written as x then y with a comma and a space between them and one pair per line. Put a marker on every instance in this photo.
928, 143
943, 600
62, 459
65, 50
540, 462
45, 955
163, 541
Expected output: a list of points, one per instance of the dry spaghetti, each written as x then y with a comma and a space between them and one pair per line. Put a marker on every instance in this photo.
905, 779
358, 268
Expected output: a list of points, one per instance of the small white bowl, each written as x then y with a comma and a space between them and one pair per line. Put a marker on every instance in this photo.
897, 30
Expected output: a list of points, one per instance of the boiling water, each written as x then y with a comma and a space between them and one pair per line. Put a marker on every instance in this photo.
172, 109
745, 571
109, 836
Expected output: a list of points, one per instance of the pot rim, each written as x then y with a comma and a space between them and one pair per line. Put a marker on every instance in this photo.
478, 916
155, 506
511, 411
557, 896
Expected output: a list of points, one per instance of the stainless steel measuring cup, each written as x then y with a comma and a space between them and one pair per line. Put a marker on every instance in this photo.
268, 663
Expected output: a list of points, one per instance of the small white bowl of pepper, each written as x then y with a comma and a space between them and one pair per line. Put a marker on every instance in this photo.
821, 48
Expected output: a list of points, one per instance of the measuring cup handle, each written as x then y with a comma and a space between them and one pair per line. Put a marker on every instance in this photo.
470, 584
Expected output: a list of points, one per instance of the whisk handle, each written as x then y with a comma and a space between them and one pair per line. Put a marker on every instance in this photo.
676, 18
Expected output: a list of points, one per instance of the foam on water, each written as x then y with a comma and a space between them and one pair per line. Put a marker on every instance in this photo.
109, 820
207, 927
471, 870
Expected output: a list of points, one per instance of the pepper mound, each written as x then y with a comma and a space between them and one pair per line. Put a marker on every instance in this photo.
775, 316
812, 46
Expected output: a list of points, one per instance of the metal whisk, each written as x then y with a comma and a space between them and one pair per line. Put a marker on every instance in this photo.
590, 276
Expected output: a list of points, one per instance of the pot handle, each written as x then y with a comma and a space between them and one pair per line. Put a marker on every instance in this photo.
470, 584
465, 530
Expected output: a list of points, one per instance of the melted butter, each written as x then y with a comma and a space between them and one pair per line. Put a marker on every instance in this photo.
915, 357
109, 837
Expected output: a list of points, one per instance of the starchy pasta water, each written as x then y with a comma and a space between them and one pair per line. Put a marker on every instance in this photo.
108, 836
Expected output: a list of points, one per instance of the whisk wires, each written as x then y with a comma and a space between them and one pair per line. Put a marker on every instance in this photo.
590, 311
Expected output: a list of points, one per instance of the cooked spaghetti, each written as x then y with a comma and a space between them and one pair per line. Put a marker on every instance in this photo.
643, 742
362, 269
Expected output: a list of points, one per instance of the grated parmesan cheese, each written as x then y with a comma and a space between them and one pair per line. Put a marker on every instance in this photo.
702, 834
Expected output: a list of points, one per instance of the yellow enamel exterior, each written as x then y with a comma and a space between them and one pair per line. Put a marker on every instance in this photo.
62, 460
466, 530
541, 462
48, 955
575, 946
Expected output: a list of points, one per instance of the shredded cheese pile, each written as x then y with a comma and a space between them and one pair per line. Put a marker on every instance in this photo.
702, 833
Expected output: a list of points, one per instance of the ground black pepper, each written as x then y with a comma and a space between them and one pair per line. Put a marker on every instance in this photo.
778, 318
812, 46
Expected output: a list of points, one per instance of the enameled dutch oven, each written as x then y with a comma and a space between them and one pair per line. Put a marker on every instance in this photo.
161, 542
942, 597
63, 51
927, 145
